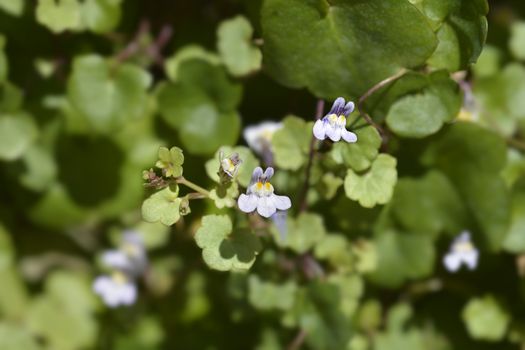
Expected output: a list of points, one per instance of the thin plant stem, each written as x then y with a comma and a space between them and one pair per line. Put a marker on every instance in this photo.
181, 180
298, 341
518, 144
304, 194
370, 92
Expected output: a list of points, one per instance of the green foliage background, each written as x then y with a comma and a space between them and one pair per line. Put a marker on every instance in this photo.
91, 89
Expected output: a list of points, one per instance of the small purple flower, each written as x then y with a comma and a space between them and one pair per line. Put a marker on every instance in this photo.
333, 125
462, 251
259, 195
116, 290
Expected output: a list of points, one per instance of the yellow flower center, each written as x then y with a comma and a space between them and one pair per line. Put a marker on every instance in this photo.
119, 278
463, 247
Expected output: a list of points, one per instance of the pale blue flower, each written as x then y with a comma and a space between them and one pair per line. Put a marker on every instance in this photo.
260, 195
333, 125
462, 251
129, 257
116, 290
259, 137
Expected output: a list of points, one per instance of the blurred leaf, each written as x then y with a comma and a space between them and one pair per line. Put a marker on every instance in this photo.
351, 289
370, 315
303, 232
343, 46
101, 16
163, 206
244, 174
473, 158
270, 296
234, 38
197, 303
119, 92
291, 143
517, 40
462, 30
63, 315
360, 155
188, 53
515, 239
201, 106
485, 319
13, 7
429, 204
402, 256
59, 15
488, 62
41, 169
223, 250
4, 64
17, 132
16, 337
329, 185
147, 334
376, 185
11, 97
336, 249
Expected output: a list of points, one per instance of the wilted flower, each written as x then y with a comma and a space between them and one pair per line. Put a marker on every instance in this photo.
259, 138
127, 263
462, 251
115, 290
333, 125
260, 196
230, 165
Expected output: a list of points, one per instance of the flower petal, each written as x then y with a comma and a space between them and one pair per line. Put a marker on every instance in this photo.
338, 106
319, 130
116, 259
333, 133
247, 203
471, 259
452, 262
101, 284
348, 136
349, 108
256, 174
268, 173
281, 202
128, 294
266, 207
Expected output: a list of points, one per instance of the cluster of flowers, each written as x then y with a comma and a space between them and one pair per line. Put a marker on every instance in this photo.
130, 260
127, 264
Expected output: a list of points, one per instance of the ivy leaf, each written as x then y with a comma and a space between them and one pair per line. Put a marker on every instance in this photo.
402, 256
517, 40
17, 132
423, 114
188, 53
225, 196
4, 64
337, 250
59, 15
170, 161
429, 204
325, 43
14, 336
376, 185
163, 206
13, 7
329, 185
202, 107
244, 174
461, 30
473, 158
239, 55
120, 92
101, 16
270, 296
291, 143
515, 239
485, 319
223, 250
303, 232
359, 155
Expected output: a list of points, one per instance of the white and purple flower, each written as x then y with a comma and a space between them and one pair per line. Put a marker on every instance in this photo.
127, 264
260, 195
259, 137
333, 125
230, 165
462, 251
116, 290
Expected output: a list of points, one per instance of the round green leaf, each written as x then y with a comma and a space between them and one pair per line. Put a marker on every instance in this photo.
239, 55
359, 155
303, 232
223, 250
163, 206
376, 185
17, 132
291, 143
342, 46
59, 15
485, 319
